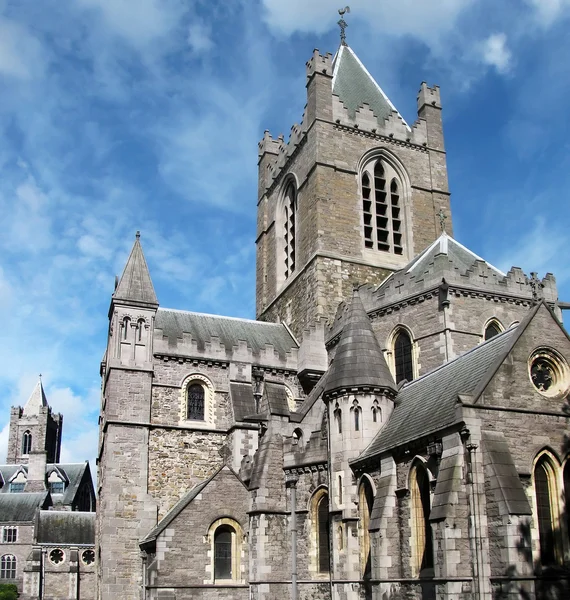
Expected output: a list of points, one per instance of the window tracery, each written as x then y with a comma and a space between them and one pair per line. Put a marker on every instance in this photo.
382, 207
8, 564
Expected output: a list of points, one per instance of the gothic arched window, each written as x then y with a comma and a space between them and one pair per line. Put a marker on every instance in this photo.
290, 209
403, 357
365, 503
223, 546
26, 442
492, 329
195, 395
422, 549
382, 208
321, 515
8, 567
546, 509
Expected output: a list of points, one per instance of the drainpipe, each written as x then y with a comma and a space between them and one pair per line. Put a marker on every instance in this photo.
291, 480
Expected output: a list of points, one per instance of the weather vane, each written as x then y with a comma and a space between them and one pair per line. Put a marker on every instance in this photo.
343, 24
442, 216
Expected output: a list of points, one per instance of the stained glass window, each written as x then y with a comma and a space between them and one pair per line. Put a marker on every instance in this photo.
403, 357
323, 541
195, 408
223, 553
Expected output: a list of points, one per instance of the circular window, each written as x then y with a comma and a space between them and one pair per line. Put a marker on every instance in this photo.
56, 556
88, 557
548, 372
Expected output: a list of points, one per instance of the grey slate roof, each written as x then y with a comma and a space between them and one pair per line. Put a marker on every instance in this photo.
502, 475
428, 404
135, 284
22, 507
66, 527
359, 361
243, 402
461, 257
74, 473
354, 86
274, 399
230, 331
448, 480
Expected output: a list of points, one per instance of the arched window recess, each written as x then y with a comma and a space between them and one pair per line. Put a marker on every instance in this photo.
383, 205
226, 537
197, 399
286, 230
421, 540
319, 511
402, 351
27, 442
492, 328
365, 505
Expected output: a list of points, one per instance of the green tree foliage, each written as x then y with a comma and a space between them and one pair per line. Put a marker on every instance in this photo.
8, 591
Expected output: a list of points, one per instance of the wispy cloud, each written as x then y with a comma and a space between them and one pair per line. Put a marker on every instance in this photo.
496, 52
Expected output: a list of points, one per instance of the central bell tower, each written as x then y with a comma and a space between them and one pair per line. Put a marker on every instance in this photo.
352, 196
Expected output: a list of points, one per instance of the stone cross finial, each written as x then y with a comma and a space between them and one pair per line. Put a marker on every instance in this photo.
138, 235
343, 24
442, 216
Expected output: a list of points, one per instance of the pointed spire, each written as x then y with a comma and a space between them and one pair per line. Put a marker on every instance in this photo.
37, 400
359, 361
135, 286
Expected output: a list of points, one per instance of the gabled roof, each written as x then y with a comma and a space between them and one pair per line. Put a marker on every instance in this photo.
135, 285
66, 527
182, 504
36, 401
354, 86
359, 361
274, 400
21, 507
229, 331
461, 257
428, 404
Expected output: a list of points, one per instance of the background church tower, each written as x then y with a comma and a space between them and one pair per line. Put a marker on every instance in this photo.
34, 428
351, 197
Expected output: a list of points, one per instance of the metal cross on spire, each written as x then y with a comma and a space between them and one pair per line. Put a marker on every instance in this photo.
343, 24
442, 216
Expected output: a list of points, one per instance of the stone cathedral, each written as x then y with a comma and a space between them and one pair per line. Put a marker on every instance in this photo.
394, 425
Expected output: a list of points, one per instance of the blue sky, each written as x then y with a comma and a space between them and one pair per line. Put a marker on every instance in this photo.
118, 115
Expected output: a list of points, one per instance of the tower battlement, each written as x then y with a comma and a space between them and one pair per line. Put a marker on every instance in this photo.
429, 95
319, 63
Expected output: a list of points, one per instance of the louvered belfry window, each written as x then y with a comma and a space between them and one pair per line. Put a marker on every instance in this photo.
195, 410
290, 210
382, 208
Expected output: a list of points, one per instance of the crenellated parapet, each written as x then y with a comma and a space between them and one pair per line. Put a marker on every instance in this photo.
319, 63
429, 95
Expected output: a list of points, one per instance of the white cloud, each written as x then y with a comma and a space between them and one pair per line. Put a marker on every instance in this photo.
426, 20
495, 52
21, 55
200, 37
548, 11
4, 443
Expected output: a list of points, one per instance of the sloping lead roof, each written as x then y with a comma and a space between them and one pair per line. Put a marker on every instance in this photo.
354, 86
230, 331
427, 404
36, 400
22, 507
136, 284
66, 527
243, 402
358, 361
461, 257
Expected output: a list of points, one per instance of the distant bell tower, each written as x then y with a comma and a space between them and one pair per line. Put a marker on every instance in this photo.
352, 196
34, 428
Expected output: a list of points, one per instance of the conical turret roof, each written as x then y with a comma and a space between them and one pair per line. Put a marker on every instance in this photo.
36, 400
359, 361
135, 286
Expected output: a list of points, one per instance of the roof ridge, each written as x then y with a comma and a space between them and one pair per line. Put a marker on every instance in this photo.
201, 314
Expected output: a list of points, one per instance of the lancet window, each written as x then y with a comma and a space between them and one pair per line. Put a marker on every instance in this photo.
421, 529
403, 357
290, 209
26, 442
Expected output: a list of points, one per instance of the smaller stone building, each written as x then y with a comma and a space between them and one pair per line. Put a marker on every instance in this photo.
47, 518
